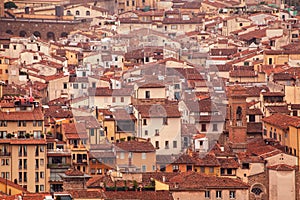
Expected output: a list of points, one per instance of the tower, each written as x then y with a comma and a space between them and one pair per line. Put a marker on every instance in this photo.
237, 118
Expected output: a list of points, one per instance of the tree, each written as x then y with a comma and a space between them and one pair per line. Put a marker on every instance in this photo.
10, 5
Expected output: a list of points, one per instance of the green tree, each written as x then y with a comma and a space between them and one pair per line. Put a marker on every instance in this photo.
10, 5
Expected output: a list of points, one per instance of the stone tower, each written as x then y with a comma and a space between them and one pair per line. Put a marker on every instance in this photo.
237, 118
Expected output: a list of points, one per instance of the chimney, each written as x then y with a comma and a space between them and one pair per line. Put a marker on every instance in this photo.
163, 179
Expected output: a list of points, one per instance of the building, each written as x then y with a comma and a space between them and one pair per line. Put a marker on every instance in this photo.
134, 155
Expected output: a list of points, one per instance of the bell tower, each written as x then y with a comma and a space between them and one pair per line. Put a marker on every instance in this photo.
237, 118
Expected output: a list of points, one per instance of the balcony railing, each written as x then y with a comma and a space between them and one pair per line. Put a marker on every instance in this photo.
63, 151
59, 165
5, 153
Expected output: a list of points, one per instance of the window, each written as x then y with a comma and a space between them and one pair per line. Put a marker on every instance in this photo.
93, 84
122, 99
211, 170
92, 131
144, 121
35, 57
157, 144
77, 12
270, 61
143, 168
177, 86
25, 150
256, 190
87, 13
42, 162
207, 194
166, 144
251, 118
36, 163
114, 99
156, 132
15, 47
144, 156
42, 175
175, 168
146, 132
36, 188
232, 194
75, 85
122, 155
219, 194
174, 27
25, 176
202, 169
203, 127
147, 94
68, 12
241, 24
127, 3
215, 127
25, 163
174, 144
42, 188
133, 3
20, 177
165, 121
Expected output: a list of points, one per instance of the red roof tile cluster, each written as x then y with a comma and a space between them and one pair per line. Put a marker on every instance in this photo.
74, 172
282, 121
135, 146
158, 111
194, 180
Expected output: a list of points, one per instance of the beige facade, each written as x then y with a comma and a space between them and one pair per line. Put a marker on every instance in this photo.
282, 185
25, 161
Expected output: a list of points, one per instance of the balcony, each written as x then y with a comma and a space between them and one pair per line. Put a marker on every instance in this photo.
59, 166
5, 153
65, 152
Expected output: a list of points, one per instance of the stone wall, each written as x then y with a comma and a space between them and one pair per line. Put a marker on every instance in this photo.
45, 29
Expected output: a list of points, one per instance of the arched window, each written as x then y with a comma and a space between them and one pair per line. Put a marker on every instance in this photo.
77, 12
256, 190
87, 13
239, 113
69, 12
239, 116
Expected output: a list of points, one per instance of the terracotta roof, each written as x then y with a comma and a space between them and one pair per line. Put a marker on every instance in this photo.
281, 120
122, 114
87, 194
242, 73
185, 159
273, 94
204, 105
196, 181
254, 111
89, 121
254, 127
11, 184
278, 109
189, 130
158, 111
282, 167
135, 146
74, 172
223, 52
209, 160
145, 195
35, 114
228, 163
256, 90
